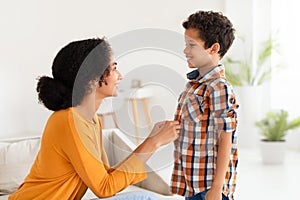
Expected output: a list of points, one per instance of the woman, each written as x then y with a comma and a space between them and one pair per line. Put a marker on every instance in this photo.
72, 158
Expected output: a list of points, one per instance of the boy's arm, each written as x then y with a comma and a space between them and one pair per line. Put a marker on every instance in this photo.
224, 149
223, 107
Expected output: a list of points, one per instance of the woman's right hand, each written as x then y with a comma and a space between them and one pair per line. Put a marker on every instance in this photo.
165, 132
161, 134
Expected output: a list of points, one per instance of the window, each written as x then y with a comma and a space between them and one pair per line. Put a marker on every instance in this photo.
286, 83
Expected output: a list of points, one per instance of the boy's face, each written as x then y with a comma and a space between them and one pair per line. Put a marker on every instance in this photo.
197, 56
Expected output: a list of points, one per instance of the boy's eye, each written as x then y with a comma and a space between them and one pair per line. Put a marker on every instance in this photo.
190, 44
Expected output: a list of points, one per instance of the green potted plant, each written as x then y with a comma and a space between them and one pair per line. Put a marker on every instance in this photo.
242, 72
274, 127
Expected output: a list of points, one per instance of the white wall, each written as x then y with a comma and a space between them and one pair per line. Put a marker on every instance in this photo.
33, 31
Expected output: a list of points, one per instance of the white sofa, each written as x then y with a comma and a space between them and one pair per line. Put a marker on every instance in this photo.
17, 156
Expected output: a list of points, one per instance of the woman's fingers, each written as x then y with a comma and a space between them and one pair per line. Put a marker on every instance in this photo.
170, 131
157, 127
165, 131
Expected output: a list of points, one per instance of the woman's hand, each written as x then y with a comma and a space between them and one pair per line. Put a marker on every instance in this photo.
165, 132
157, 127
162, 133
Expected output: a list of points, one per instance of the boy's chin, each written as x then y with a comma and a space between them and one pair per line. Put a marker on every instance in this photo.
191, 65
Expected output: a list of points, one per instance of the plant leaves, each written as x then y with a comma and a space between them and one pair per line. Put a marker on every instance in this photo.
247, 75
275, 125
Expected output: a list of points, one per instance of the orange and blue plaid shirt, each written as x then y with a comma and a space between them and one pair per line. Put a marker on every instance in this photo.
205, 109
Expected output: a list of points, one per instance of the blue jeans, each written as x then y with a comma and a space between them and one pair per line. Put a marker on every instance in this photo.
136, 195
201, 196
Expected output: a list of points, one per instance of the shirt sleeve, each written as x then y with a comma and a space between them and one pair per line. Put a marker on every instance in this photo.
223, 107
103, 181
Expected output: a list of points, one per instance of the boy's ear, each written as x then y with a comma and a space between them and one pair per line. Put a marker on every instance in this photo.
215, 48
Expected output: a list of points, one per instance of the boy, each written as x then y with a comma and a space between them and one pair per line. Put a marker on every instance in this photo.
206, 150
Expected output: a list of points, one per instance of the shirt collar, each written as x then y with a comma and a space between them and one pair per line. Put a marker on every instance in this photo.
215, 72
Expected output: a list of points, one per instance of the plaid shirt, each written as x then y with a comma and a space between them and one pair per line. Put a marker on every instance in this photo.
205, 109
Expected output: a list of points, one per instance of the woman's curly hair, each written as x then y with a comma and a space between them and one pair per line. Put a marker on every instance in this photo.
73, 69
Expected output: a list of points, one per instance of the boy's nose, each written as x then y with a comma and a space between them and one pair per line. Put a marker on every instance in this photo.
185, 51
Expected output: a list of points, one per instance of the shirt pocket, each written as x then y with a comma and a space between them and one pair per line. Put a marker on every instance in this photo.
193, 108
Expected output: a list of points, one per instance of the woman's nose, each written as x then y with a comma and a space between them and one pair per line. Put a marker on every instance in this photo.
120, 76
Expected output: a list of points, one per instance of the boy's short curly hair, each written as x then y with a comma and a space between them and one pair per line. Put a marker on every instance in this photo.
213, 27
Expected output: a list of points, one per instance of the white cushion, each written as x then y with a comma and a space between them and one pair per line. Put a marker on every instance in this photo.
16, 158
122, 147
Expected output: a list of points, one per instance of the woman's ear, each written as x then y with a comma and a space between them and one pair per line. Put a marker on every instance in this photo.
94, 83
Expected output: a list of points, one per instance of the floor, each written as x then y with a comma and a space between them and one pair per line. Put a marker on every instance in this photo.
268, 182
264, 182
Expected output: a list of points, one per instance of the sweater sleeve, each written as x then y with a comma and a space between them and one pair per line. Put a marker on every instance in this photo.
103, 181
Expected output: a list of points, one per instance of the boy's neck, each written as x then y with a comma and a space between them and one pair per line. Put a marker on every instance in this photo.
214, 62
204, 70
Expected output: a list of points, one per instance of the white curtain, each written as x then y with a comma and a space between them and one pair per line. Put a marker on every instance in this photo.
285, 85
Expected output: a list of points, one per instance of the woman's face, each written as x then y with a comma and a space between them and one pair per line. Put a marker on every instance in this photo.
110, 86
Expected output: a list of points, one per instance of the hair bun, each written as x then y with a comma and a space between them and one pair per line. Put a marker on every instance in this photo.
53, 93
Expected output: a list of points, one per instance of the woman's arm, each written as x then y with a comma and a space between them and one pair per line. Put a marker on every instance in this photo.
107, 182
161, 134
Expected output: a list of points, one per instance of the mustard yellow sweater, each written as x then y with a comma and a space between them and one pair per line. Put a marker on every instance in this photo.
72, 158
